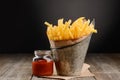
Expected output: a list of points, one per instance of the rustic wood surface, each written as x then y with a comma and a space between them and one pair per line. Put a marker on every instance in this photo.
18, 67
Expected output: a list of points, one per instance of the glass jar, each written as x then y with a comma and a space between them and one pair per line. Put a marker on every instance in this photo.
42, 64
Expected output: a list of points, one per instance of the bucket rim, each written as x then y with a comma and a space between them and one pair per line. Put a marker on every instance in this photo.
83, 38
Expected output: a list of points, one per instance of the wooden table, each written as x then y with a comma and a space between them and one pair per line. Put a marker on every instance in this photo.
18, 67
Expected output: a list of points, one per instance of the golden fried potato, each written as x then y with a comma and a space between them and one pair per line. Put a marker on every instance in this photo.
66, 31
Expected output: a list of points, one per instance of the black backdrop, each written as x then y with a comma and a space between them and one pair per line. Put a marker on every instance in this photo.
23, 30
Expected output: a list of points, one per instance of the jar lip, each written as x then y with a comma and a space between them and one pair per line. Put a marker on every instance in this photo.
41, 52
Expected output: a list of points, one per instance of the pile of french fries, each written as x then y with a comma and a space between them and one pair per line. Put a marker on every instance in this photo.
66, 31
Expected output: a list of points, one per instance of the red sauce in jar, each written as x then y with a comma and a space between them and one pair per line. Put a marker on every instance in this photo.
42, 68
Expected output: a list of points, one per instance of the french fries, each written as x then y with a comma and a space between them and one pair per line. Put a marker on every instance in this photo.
66, 31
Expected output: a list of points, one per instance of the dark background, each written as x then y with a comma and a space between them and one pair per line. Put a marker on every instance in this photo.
22, 29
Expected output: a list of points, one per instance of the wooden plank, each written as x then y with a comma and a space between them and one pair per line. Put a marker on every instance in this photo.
107, 76
17, 67
103, 63
105, 67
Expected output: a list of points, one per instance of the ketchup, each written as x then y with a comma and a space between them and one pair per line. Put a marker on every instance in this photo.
42, 68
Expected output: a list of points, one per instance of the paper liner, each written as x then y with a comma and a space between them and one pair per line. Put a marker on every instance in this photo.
84, 73
61, 43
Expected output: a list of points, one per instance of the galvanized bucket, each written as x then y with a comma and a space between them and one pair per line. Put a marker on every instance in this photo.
69, 55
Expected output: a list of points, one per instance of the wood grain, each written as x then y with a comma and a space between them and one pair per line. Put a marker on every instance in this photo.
105, 67
15, 67
18, 67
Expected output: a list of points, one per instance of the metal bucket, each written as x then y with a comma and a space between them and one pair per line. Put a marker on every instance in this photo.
69, 59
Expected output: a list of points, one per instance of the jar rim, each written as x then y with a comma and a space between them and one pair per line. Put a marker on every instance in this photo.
41, 52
